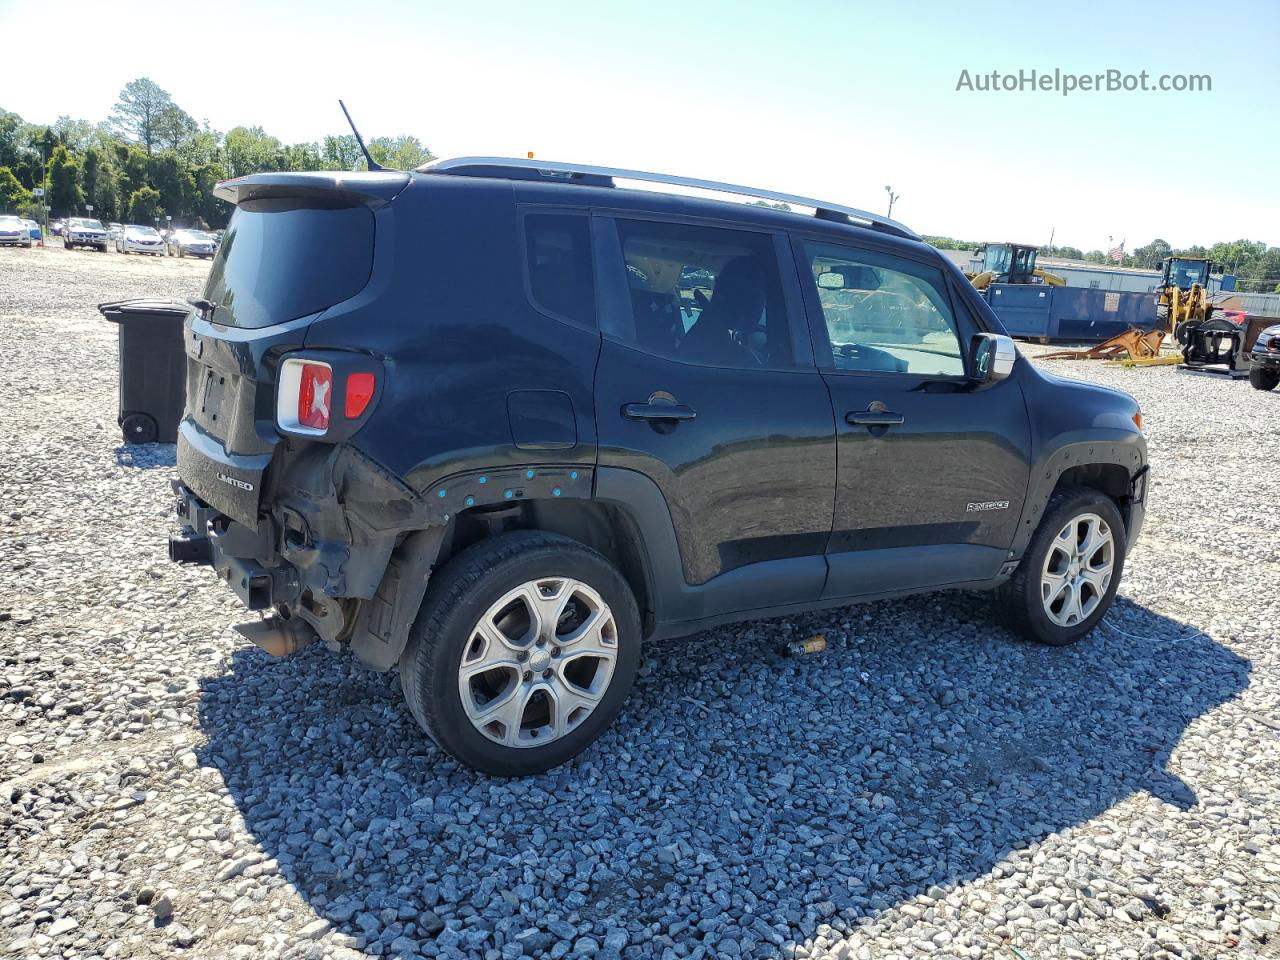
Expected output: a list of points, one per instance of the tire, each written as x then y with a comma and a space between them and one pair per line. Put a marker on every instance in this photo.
1021, 602
139, 428
481, 583
1263, 378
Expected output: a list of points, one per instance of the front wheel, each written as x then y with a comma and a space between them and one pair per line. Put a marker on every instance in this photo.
1264, 378
524, 651
1067, 579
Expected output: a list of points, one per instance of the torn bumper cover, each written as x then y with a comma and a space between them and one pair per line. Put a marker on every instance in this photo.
335, 527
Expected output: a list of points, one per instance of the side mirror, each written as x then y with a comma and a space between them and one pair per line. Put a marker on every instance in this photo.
993, 356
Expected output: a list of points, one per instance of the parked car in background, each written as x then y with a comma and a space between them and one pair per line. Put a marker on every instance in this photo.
84, 232
138, 239
190, 243
57, 226
113, 232
33, 229
13, 232
1264, 366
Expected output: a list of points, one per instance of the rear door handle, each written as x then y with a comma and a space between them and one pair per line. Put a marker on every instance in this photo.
875, 418
658, 411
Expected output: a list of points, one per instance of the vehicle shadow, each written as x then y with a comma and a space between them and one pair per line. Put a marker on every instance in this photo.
146, 456
756, 796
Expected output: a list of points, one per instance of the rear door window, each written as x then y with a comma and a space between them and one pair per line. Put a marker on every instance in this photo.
705, 295
280, 260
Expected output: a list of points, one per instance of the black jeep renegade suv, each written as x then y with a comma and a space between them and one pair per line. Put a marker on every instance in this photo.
498, 422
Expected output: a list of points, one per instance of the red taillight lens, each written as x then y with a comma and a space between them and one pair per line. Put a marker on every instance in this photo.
360, 387
315, 394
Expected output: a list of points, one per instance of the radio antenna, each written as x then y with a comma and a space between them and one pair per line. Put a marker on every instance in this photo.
373, 164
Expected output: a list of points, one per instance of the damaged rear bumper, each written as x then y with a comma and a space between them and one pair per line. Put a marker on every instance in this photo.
244, 558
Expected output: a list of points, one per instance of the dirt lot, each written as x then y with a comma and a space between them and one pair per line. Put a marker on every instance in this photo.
928, 786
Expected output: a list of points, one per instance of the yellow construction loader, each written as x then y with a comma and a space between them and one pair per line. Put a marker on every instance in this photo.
1010, 263
1183, 293
1212, 340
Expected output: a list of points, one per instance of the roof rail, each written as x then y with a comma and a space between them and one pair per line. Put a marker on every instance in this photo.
604, 176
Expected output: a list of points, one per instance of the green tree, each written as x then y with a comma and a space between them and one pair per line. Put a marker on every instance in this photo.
251, 150
400, 153
173, 181
302, 156
174, 127
75, 135
137, 114
209, 208
1150, 256
341, 153
65, 194
144, 206
13, 195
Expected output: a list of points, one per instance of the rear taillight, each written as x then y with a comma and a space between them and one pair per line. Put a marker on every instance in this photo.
327, 398
305, 396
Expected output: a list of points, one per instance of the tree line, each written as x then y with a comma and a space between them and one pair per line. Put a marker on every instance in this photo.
1255, 265
151, 159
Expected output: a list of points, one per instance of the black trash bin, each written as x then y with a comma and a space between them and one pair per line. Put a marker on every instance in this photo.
153, 367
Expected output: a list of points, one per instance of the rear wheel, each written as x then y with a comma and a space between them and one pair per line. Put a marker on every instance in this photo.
1264, 378
523, 653
1067, 579
139, 428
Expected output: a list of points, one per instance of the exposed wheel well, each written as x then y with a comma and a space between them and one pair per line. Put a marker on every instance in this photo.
1109, 478
603, 527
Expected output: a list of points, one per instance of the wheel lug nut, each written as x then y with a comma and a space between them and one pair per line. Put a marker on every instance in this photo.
555, 651
541, 642
528, 675
522, 656
546, 674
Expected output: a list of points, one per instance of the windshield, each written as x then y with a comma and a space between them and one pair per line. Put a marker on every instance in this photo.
82, 224
10, 221
280, 260
1188, 272
141, 232
194, 235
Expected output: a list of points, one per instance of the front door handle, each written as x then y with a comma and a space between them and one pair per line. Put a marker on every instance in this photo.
657, 411
875, 418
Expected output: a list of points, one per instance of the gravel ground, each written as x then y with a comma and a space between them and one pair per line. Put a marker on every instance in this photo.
928, 786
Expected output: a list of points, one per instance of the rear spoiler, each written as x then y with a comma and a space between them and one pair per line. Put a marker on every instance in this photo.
367, 189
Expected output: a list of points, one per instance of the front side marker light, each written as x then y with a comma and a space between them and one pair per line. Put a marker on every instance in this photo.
1137, 421
360, 387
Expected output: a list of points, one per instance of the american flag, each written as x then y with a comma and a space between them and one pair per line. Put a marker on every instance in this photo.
1116, 253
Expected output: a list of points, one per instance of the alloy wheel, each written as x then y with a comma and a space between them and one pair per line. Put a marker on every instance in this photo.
538, 662
1077, 570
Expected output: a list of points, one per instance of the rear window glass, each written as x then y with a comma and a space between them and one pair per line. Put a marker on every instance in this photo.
279, 261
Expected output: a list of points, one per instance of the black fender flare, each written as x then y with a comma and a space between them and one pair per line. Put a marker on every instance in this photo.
1125, 449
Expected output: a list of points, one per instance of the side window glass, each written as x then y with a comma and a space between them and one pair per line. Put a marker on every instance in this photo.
884, 315
558, 246
705, 295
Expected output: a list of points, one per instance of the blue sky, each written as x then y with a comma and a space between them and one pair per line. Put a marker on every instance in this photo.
831, 99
